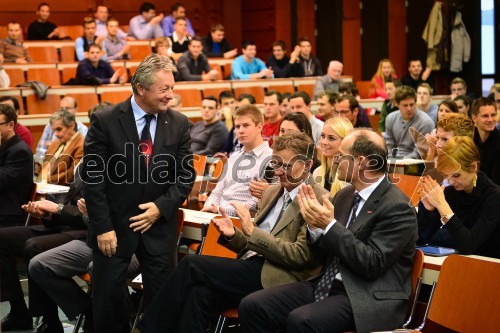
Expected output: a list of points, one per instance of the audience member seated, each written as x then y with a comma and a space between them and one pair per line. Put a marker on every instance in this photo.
4, 77
101, 19
334, 131
458, 87
424, 102
227, 104
326, 104
89, 37
69, 104
42, 29
285, 104
209, 135
385, 71
62, 223
301, 102
23, 132
193, 65
309, 65
291, 122
486, 137
463, 215
242, 166
12, 47
397, 125
215, 45
177, 10
368, 256
448, 126
348, 107
331, 81
247, 66
114, 46
271, 128
271, 251
446, 107
16, 173
146, 25
280, 63
414, 78
180, 38
64, 154
349, 88
390, 104
464, 103
94, 71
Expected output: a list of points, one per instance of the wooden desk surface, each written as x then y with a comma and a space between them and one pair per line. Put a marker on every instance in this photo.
432, 266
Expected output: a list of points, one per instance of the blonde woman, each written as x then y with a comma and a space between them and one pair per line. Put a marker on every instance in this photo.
463, 215
334, 130
385, 71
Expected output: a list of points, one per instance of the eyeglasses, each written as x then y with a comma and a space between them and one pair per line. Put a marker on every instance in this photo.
341, 112
5, 122
284, 166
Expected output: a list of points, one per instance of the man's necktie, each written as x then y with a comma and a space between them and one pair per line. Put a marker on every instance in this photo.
287, 200
332, 269
146, 143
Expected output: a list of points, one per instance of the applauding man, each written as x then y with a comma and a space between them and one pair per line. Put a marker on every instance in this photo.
272, 250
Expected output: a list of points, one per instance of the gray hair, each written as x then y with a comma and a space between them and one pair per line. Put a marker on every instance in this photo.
66, 118
148, 68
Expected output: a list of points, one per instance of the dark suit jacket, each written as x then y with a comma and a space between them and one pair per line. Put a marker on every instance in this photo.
288, 257
376, 255
16, 176
117, 181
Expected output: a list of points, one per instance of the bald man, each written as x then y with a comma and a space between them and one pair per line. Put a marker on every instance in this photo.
69, 104
369, 242
330, 81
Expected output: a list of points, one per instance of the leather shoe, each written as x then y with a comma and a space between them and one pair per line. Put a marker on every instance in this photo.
16, 323
45, 327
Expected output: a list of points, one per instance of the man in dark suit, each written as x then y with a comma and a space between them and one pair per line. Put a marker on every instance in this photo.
62, 223
271, 252
16, 170
369, 240
138, 171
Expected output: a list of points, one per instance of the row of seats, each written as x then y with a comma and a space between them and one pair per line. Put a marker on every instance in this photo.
191, 92
65, 31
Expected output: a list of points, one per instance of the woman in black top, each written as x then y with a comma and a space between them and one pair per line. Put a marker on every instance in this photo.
466, 214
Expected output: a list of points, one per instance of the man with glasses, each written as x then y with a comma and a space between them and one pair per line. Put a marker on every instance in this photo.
69, 104
348, 107
272, 250
368, 236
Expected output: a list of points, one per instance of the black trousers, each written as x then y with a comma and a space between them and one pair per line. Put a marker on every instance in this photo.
108, 285
21, 242
292, 307
200, 286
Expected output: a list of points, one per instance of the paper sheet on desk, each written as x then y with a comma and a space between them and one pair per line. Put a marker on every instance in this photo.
44, 188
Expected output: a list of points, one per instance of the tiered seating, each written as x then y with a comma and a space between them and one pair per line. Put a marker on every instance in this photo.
71, 31
49, 76
43, 54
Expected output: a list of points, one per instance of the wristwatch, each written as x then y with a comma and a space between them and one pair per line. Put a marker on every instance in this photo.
59, 208
446, 218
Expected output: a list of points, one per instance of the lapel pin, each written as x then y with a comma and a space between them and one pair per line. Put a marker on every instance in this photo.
369, 211
166, 122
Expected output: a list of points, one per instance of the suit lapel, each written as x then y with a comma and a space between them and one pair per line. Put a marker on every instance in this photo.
370, 206
272, 201
288, 216
342, 212
129, 126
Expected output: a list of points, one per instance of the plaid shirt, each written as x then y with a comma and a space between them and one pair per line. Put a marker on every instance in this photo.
113, 47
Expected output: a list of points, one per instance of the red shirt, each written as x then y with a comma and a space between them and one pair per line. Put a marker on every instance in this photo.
25, 134
269, 130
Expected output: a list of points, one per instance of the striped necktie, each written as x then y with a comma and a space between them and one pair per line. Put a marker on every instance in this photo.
325, 284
